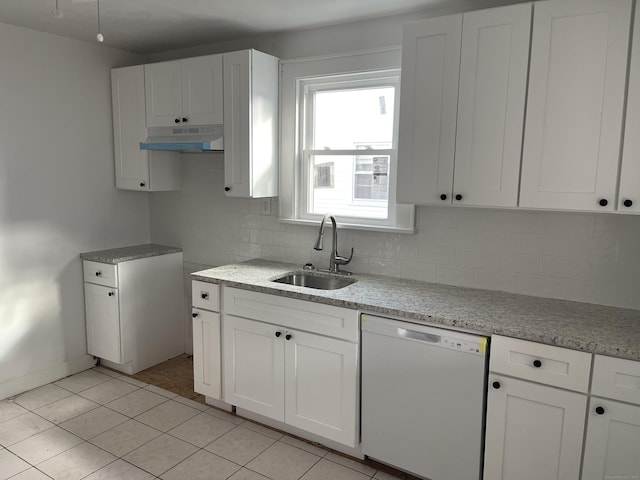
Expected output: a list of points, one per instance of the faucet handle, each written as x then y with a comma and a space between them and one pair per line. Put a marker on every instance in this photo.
343, 260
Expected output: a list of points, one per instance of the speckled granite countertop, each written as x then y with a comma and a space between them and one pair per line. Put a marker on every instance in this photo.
580, 326
124, 254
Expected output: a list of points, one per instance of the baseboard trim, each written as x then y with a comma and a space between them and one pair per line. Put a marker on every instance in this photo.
36, 379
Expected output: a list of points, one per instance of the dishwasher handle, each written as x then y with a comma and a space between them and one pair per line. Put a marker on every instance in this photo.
420, 336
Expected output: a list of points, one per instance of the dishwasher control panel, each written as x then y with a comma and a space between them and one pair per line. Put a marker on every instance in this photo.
478, 346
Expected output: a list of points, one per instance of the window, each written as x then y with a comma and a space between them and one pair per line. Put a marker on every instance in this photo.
339, 131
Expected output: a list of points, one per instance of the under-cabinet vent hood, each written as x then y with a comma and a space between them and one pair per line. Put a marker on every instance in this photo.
185, 139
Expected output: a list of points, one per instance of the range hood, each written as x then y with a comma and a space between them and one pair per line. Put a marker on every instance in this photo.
185, 139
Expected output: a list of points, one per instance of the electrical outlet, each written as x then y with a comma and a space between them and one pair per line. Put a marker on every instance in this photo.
265, 207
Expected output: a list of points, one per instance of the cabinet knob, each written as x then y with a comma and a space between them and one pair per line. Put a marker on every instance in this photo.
185, 119
98, 274
177, 120
627, 203
288, 336
227, 189
204, 295
496, 385
600, 410
194, 314
537, 363
443, 196
458, 197
278, 334
111, 294
142, 184
603, 202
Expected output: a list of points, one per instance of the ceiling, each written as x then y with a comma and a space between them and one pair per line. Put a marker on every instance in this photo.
151, 26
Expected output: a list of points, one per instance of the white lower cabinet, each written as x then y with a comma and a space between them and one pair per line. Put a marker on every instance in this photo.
103, 322
321, 386
612, 446
303, 379
254, 366
206, 353
534, 432
535, 423
207, 372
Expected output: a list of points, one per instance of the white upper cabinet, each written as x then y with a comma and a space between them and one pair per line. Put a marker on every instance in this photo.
251, 124
129, 128
629, 199
575, 104
462, 107
137, 169
184, 92
428, 104
491, 100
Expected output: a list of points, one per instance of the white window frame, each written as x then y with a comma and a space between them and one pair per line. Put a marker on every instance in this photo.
293, 188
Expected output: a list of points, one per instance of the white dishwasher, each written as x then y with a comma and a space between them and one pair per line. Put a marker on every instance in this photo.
423, 398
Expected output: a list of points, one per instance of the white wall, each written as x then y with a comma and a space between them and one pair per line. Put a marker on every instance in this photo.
57, 198
585, 257
576, 256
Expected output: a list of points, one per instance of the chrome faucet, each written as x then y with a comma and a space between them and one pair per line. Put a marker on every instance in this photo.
335, 260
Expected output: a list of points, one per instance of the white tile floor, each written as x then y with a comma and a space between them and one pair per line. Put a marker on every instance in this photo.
100, 425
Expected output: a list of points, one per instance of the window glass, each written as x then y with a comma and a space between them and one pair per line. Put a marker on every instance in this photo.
349, 124
351, 118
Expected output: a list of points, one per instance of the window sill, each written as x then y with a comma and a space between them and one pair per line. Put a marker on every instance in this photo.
351, 226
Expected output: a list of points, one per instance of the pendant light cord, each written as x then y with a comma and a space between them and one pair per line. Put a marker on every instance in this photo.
99, 36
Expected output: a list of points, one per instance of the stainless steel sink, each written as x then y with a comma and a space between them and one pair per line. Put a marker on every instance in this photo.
320, 282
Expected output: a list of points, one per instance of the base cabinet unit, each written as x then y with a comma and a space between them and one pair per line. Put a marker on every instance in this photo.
250, 124
136, 169
103, 322
134, 311
535, 430
278, 364
612, 446
207, 370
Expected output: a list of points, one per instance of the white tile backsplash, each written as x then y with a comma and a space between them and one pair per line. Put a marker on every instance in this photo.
575, 256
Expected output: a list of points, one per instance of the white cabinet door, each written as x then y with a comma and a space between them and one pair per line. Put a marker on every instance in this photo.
629, 199
428, 105
129, 128
533, 432
250, 124
321, 384
202, 90
163, 91
206, 353
493, 80
254, 366
103, 322
612, 448
575, 104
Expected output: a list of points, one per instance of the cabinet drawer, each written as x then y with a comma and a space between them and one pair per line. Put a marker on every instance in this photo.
100, 273
546, 364
313, 317
205, 295
616, 378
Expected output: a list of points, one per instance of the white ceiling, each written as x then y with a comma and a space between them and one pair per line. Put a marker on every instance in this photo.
151, 26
